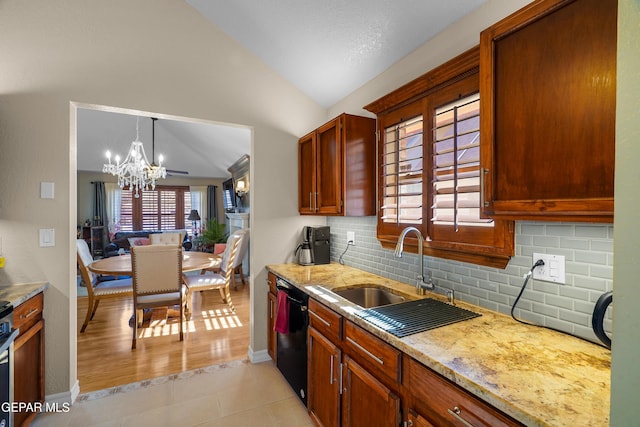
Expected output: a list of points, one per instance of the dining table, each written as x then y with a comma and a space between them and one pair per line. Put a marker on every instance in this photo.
121, 265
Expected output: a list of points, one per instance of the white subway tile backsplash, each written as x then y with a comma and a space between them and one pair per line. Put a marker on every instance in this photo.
546, 241
587, 248
559, 230
532, 229
592, 231
573, 243
546, 310
591, 257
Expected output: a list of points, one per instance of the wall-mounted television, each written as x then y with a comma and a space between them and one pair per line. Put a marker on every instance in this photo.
228, 196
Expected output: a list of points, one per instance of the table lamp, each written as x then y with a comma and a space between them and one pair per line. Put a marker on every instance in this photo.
193, 217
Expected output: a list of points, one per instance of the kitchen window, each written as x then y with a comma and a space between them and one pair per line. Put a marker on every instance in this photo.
429, 167
402, 172
165, 208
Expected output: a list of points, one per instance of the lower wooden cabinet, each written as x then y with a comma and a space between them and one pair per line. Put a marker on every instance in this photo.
28, 356
323, 384
345, 385
358, 379
415, 420
366, 401
272, 301
441, 402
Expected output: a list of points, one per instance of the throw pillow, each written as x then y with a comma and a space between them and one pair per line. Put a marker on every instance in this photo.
138, 241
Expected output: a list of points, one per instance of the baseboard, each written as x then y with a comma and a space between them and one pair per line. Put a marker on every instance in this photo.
258, 356
64, 397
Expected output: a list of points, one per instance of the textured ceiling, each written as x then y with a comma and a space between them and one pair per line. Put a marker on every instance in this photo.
329, 48
326, 48
205, 150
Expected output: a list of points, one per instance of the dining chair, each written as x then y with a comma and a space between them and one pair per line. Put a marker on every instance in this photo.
166, 239
97, 290
157, 281
220, 281
237, 264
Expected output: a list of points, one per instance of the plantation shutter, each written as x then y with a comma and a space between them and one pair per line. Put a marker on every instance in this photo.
149, 210
167, 209
126, 211
456, 164
402, 172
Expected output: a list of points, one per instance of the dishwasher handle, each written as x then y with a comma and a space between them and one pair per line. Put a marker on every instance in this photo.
301, 303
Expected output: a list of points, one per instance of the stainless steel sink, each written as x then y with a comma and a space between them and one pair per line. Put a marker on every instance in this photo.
369, 296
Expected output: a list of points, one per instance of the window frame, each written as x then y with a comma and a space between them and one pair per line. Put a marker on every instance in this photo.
181, 192
455, 79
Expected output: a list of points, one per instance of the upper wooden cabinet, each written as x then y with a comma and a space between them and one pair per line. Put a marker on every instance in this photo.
547, 85
336, 168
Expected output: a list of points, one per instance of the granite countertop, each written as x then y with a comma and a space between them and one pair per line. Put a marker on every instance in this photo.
19, 293
538, 376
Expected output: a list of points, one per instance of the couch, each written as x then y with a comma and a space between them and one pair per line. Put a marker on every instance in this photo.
121, 240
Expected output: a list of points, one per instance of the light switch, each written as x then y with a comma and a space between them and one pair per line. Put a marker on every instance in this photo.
47, 237
46, 190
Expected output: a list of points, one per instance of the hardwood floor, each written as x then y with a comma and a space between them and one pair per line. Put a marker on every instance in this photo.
213, 335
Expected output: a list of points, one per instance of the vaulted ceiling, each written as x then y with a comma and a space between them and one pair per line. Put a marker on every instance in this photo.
326, 48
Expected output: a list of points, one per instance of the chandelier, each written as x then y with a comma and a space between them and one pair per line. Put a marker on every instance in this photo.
135, 171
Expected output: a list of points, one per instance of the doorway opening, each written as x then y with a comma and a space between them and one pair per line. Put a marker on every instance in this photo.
199, 153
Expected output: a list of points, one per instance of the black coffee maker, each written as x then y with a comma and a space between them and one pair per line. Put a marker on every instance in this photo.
319, 239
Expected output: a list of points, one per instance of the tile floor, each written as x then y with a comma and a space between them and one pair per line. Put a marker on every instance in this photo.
231, 394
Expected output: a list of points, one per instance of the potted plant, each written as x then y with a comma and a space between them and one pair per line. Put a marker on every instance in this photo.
213, 235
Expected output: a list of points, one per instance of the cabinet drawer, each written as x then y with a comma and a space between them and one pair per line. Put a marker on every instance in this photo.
325, 320
271, 280
28, 313
371, 352
444, 403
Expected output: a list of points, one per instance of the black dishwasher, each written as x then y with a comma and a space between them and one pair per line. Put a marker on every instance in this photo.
292, 345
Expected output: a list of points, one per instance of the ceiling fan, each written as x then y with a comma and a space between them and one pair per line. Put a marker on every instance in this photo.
153, 151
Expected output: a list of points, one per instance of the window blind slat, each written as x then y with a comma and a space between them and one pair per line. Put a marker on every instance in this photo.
402, 172
456, 165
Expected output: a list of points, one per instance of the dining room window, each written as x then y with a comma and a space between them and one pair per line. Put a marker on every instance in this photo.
164, 208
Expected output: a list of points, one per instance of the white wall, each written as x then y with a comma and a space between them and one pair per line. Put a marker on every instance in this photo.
625, 375
148, 55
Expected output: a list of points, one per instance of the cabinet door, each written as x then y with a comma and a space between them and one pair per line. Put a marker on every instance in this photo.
548, 85
307, 203
329, 168
271, 334
366, 401
29, 370
415, 420
323, 400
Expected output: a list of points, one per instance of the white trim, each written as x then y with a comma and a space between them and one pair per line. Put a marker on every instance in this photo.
65, 397
258, 356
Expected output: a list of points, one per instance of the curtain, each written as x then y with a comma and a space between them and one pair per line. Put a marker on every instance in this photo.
212, 202
199, 200
100, 208
113, 205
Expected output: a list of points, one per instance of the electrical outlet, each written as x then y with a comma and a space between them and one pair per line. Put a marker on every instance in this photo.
351, 237
552, 270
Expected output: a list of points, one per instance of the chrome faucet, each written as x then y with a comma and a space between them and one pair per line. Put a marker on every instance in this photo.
421, 285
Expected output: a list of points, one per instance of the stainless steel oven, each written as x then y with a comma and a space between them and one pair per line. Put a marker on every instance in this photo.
7, 337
